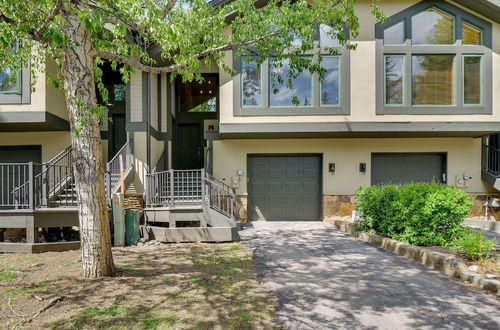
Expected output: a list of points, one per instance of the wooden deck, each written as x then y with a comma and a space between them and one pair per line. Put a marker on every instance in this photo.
38, 247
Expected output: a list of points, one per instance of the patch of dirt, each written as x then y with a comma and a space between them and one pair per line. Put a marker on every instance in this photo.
487, 267
182, 286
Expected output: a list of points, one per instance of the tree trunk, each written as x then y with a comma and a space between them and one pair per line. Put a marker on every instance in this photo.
78, 80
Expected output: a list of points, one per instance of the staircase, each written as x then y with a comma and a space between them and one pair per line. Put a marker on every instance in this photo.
113, 175
189, 205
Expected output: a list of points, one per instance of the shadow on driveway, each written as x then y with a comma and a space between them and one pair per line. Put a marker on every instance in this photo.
324, 278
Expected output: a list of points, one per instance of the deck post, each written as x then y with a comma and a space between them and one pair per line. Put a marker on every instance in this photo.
30, 229
45, 185
172, 190
31, 190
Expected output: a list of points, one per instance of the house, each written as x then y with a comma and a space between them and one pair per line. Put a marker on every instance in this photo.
417, 100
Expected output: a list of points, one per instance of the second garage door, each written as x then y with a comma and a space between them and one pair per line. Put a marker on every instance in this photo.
400, 168
284, 187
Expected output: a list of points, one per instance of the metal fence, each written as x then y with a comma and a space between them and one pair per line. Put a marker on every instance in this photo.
178, 188
491, 159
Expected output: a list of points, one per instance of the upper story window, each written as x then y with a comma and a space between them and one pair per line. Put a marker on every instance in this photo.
265, 88
14, 85
434, 58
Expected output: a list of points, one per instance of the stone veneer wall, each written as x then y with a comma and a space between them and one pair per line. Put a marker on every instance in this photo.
335, 206
241, 208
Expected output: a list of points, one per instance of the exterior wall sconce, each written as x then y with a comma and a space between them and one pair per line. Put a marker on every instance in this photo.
331, 168
362, 167
211, 127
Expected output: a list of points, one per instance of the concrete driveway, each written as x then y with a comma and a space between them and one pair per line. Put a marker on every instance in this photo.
324, 278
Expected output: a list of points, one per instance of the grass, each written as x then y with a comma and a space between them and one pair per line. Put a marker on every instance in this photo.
186, 286
5, 275
24, 290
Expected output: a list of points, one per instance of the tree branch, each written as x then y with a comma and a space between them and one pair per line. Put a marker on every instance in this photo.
169, 6
38, 34
174, 67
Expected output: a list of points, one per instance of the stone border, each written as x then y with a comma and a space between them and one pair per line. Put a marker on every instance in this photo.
441, 262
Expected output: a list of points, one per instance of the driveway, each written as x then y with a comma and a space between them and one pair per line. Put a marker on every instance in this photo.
324, 278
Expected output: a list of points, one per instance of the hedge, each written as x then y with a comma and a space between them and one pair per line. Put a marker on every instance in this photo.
417, 213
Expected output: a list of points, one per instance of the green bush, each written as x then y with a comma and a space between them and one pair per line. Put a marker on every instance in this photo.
417, 213
473, 245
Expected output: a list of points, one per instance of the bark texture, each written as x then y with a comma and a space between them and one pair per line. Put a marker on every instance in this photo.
78, 79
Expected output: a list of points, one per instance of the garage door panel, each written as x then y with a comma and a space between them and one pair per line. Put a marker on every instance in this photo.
290, 190
401, 168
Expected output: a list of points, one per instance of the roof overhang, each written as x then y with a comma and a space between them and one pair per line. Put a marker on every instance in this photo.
357, 130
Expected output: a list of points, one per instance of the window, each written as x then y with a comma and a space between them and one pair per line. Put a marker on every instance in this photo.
434, 58
10, 82
280, 94
265, 88
251, 94
14, 85
394, 66
198, 96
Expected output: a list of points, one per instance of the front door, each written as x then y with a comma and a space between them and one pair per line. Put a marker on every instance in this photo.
119, 132
189, 147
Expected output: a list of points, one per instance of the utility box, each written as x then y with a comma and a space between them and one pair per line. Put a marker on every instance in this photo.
132, 227
118, 220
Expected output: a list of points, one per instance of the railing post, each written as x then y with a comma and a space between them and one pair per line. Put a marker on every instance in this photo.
45, 185
31, 190
203, 186
107, 177
172, 191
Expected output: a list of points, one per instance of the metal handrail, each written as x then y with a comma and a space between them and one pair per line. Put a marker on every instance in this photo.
113, 167
179, 188
490, 159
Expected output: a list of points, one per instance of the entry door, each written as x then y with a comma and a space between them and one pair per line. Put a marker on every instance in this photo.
13, 176
189, 147
119, 132
284, 187
400, 168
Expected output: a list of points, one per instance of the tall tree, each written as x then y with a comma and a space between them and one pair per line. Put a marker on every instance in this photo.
80, 34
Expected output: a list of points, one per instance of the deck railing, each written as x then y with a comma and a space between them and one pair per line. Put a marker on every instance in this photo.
113, 167
491, 159
181, 188
14, 193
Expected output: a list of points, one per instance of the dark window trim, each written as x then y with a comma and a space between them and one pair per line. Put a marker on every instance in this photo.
25, 96
457, 49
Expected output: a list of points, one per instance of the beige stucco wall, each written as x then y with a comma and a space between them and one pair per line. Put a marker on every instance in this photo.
363, 79
52, 142
136, 97
44, 97
464, 156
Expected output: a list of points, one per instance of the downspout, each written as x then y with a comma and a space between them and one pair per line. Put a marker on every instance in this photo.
148, 122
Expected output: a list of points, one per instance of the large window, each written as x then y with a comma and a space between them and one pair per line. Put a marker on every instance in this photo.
266, 88
14, 84
434, 58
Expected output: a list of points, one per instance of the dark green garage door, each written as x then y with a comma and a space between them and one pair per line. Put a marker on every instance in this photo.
400, 168
284, 187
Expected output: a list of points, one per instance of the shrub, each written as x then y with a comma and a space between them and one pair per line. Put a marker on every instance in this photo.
417, 213
473, 245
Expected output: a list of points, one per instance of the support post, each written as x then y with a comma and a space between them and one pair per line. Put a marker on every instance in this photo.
172, 190
31, 190
30, 229
45, 185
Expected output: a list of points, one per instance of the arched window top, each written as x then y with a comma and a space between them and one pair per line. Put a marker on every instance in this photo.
434, 23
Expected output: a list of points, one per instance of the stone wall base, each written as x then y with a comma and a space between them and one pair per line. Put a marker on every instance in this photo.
340, 206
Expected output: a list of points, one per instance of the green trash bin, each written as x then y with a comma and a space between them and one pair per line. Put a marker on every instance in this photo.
132, 229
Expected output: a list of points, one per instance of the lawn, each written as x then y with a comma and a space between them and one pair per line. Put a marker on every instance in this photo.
181, 286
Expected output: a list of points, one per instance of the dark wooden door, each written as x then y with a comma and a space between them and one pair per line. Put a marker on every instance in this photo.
119, 132
189, 147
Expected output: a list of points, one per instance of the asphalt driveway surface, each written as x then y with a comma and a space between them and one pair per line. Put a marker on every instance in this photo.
324, 278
